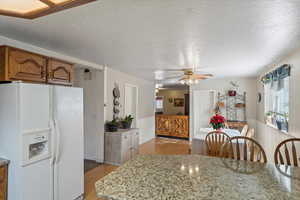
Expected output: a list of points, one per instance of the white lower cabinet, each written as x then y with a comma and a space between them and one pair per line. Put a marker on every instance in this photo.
121, 146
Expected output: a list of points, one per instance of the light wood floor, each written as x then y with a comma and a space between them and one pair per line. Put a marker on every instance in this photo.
156, 146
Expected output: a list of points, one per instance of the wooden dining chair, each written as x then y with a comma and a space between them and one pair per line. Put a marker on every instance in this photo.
244, 130
214, 140
250, 133
286, 153
243, 148
226, 125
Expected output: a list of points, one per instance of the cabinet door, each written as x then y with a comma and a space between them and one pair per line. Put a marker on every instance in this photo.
180, 126
163, 125
26, 66
126, 148
3, 183
60, 72
135, 143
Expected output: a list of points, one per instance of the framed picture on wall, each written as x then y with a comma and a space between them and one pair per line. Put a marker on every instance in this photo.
178, 102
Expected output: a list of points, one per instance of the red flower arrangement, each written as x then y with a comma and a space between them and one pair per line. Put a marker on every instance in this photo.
217, 122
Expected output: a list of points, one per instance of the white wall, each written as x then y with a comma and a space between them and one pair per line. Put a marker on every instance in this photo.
247, 85
146, 91
93, 113
270, 137
169, 108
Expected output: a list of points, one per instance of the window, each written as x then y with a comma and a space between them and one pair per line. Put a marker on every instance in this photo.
159, 103
276, 92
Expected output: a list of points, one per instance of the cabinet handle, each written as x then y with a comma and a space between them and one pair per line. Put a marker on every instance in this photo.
43, 74
50, 75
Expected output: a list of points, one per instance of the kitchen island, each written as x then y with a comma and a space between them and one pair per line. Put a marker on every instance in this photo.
185, 177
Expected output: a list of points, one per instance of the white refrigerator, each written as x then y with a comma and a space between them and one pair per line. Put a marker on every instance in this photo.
41, 133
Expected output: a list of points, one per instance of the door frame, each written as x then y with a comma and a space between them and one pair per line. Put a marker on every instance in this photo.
137, 102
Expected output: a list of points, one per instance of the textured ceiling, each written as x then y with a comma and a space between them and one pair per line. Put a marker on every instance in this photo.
224, 37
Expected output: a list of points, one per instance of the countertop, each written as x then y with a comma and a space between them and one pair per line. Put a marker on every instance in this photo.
120, 131
3, 162
187, 177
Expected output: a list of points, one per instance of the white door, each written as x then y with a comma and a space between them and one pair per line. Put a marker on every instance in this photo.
131, 102
34, 117
203, 102
68, 168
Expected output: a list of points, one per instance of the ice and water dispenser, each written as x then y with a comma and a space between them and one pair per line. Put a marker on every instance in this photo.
36, 146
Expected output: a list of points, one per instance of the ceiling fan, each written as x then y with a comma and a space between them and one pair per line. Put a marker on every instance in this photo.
190, 75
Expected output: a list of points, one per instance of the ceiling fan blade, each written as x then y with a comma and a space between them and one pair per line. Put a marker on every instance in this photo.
171, 70
203, 75
172, 77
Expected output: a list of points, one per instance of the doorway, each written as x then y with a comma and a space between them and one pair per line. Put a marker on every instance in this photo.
172, 112
131, 103
93, 83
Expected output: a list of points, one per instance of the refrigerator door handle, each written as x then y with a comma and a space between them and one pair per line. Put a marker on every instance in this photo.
58, 138
53, 139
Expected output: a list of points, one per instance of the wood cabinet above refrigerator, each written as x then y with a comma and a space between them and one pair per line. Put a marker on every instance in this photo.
20, 65
60, 72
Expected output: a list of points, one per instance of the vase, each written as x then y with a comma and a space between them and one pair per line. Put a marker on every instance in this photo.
218, 130
126, 125
231, 93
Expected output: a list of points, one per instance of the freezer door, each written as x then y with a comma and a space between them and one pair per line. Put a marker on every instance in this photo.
34, 121
68, 167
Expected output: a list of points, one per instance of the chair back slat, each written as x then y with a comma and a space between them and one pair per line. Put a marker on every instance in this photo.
251, 152
231, 150
245, 149
290, 152
287, 154
237, 149
244, 130
214, 140
245, 152
295, 159
281, 158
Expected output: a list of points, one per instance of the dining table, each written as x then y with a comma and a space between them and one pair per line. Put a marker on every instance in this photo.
198, 177
198, 141
201, 134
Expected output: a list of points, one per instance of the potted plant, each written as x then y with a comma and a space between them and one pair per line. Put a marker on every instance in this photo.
217, 122
112, 126
279, 124
127, 121
268, 117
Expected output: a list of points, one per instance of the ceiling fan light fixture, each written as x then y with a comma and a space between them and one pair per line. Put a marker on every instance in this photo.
31, 9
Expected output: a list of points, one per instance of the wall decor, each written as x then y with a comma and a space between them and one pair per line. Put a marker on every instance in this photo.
178, 102
259, 97
170, 100
232, 105
116, 102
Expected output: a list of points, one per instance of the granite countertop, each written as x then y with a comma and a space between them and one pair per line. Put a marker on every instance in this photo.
187, 177
3, 162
